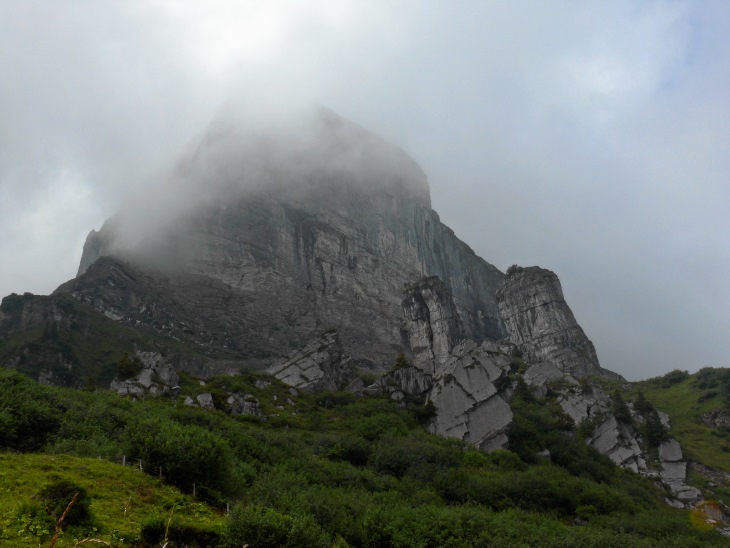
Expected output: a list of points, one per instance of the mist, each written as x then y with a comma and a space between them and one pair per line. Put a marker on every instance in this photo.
302, 153
588, 139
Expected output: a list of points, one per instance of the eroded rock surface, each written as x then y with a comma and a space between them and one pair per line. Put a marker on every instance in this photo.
469, 394
320, 365
244, 404
433, 323
623, 444
402, 382
539, 321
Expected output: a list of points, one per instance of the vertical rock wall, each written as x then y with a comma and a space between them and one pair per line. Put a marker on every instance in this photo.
433, 323
539, 321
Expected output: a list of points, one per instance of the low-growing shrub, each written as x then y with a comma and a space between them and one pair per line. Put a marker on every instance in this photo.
55, 498
32, 520
157, 531
262, 527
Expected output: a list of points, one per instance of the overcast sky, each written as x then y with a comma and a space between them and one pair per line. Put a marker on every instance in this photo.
589, 138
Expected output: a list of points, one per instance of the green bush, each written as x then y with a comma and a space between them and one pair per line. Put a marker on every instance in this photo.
674, 377
619, 408
32, 520
183, 455
352, 449
30, 413
157, 531
128, 367
262, 527
56, 497
414, 455
506, 460
374, 427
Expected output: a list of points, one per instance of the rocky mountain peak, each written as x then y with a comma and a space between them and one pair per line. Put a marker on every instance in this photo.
269, 236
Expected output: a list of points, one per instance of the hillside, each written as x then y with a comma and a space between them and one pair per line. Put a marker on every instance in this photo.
326, 469
698, 407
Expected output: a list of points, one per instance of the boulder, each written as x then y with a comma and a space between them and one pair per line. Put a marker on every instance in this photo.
468, 397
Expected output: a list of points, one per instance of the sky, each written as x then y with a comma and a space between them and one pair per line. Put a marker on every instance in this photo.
585, 137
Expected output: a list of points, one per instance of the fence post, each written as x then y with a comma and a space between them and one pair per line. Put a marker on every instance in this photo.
124, 460
140, 465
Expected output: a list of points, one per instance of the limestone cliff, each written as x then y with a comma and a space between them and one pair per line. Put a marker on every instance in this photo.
539, 321
432, 322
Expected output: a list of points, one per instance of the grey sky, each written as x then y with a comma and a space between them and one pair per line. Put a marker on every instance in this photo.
585, 137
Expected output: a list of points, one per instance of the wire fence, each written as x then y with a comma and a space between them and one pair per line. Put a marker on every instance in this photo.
197, 491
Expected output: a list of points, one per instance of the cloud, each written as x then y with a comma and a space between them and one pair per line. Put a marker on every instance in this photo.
585, 138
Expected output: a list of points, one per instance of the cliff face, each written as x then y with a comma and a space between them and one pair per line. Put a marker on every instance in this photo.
432, 322
315, 233
540, 322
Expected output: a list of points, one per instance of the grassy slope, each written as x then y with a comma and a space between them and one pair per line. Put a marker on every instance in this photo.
681, 402
354, 468
123, 498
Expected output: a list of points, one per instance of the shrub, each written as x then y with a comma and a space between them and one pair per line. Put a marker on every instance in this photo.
33, 519
156, 531
128, 367
376, 426
654, 431
332, 400
352, 449
642, 405
30, 413
401, 362
417, 457
619, 408
185, 455
506, 460
262, 527
674, 377
56, 497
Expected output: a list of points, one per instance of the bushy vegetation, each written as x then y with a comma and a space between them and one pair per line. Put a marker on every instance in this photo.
334, 469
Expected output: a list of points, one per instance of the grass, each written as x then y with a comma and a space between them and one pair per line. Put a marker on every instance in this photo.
681, 402
122, 499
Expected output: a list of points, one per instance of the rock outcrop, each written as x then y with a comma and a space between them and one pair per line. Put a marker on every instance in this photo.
313, 254
402, 383
539, 321
674, 472
433, 323
320, 365
156, 376
470, 395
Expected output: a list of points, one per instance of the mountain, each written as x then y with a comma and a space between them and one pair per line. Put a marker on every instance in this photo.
309, 250
341, 225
